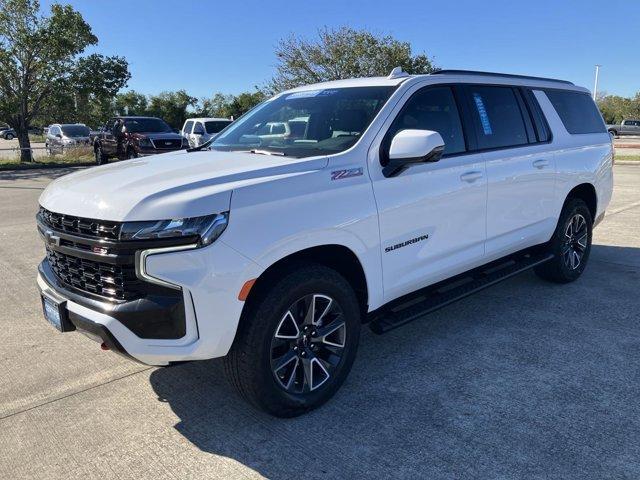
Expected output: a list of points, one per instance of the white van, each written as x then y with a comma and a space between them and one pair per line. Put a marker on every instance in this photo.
397, 195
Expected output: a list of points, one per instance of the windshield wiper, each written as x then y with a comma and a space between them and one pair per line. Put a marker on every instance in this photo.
268, 152
200, 147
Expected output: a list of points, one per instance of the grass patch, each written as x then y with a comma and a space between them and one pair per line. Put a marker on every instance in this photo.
628, 158
76, 157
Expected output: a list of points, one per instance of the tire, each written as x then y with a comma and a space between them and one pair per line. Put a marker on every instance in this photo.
613, 133
9, 136
131, 154
100, 157
571, 244
286, 373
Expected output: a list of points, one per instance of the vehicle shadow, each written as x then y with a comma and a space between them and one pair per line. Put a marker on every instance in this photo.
41, 174
526, 379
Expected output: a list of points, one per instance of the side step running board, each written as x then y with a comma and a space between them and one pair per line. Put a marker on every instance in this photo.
434, 297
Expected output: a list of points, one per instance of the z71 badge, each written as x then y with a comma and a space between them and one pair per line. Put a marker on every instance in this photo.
341, 174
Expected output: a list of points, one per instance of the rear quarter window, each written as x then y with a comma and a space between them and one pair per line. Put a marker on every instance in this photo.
577, 111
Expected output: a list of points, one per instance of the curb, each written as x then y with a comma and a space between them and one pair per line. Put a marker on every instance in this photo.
627, 162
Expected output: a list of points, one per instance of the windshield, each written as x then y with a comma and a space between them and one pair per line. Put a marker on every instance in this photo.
214, 126
146, 125
303, 124
75, 130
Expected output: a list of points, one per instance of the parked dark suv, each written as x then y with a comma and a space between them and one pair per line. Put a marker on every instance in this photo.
131, 137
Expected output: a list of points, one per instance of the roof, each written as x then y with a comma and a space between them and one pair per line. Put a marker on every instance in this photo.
445, 76
208, 119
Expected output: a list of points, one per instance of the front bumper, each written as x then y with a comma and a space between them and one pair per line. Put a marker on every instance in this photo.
209, 280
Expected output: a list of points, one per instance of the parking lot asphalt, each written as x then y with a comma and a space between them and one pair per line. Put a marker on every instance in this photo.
524, 380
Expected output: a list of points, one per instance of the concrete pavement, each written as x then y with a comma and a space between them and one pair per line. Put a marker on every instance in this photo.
524, 380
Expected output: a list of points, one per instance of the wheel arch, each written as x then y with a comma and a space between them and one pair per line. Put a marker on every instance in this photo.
587, 193
337, 257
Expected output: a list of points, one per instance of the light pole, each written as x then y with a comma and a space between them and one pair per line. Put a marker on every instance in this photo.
595, 86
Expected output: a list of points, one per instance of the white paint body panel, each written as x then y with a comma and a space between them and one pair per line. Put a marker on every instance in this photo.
279, 206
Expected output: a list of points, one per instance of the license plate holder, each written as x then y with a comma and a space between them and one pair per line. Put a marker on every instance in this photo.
56, 314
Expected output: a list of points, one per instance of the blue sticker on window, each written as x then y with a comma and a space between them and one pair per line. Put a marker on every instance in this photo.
484, 117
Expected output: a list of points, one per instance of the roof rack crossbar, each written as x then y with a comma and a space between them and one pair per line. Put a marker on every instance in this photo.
503, 75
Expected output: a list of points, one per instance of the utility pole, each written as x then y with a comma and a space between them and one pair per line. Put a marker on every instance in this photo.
595, 86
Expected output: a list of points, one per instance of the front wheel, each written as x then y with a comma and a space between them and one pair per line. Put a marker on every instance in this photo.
297, 342
100, 157
570, 244
9, 136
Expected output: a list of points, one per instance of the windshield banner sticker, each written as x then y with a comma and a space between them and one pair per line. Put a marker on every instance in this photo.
484, 117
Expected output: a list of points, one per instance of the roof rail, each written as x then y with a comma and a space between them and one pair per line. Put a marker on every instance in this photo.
502, 75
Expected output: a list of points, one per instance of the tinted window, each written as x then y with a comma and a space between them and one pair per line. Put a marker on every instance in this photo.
75, 130
198, 129
497, 117
540, 122
577, 111
187, 127
432, 108
214, 126
146, 125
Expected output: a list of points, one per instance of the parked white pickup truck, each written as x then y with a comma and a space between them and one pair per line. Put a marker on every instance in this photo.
393, 197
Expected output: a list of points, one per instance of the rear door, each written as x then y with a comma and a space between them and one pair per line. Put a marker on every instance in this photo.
432, 216
521, 171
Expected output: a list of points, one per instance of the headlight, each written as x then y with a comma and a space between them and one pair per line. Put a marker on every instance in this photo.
145, 143
207, 228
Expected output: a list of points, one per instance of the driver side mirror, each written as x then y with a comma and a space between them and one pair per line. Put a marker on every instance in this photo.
412, 147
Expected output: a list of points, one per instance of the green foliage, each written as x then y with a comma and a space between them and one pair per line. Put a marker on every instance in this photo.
227, 106
339, 54
615, 108
172, 107
42, 76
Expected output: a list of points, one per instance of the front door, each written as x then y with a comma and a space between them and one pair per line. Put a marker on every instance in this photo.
432, 216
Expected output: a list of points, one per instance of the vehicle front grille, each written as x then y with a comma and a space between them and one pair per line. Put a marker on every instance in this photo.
166, 144
100, 229
118, 282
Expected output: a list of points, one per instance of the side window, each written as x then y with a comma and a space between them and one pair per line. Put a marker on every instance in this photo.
187, 127
577, 111
432, 108
198, 129
540, 122
497, 117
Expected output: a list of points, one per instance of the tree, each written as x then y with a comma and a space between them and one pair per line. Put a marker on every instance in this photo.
342, 53
227, 106
41, 71
130, 103
172, 107
615, 108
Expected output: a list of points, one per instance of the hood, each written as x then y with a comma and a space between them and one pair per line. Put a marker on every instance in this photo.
155, 136
171, 185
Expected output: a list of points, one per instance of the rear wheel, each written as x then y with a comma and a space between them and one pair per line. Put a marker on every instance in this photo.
571, 244
9, 136
297, 343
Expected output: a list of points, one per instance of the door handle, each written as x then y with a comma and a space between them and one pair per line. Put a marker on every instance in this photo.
541, 163
471, 177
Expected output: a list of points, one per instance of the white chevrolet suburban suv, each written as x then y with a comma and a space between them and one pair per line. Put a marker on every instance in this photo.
389, 198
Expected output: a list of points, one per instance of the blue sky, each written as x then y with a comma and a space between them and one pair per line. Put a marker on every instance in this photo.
206, 47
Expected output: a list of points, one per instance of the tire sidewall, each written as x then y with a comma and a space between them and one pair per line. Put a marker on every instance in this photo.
269, 314
573, 208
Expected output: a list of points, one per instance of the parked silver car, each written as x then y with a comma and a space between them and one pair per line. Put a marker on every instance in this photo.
61, 137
